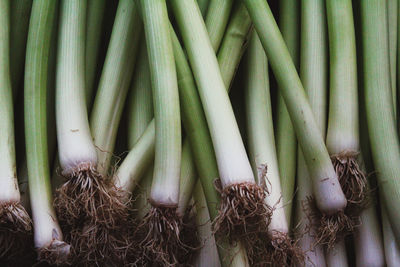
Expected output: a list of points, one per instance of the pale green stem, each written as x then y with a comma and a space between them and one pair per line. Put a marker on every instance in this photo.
94, 25
234, 43
115, 81
20, 14
286, 144
203, 5
343, 123
260, 130
47, 233
216, 20
233, 164
140, 99
75, 145
314, 76
165, 186
382, 130
8, 170
208, 254
392, 10
327, 191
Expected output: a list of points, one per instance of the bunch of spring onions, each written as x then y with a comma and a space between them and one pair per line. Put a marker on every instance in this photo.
199, 133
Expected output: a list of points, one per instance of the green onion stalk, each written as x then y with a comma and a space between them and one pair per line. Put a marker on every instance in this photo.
314, 76
381, 123
392, 16
275, 246
286, 144
51, 121
15, 223
343, 137
216, 19
368, 240
140, 114
329, 197
48, 237
94, 26
208, 254
203, 5
195, 124
242, 209
161, 226
77, 199
108, 211
20, 14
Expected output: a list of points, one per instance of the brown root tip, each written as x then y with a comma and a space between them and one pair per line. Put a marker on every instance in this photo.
95, 245
330, 228
242, 212
87, 194
15, 230
275, 249
352, 180
57, 253
164, 240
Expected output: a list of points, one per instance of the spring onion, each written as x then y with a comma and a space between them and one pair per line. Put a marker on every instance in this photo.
314, 76
48, 238
286, 144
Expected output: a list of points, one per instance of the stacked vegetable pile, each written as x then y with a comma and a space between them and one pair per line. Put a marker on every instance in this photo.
121, 144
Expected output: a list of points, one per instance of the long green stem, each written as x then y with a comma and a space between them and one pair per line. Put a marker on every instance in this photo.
385, 145
233, 164
368, 240
216, 20
314, 76
15, 223
392, 14
208, 254
94, 24
115, 81
165, 186
47, 233
234, 43
203, 5
327, 191
20, 13
260, 130
286, 144
343, 133
75, 144
140, 101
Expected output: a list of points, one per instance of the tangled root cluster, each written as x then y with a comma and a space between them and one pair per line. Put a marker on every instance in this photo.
95, 217
275, 249
243, 212
15, 230
166, 239
57, 253
329, 228
352, 180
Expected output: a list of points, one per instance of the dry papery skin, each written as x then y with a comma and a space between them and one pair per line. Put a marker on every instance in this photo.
88, 195
15, 231
242, 213
329, 228
353, 181
166, 239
